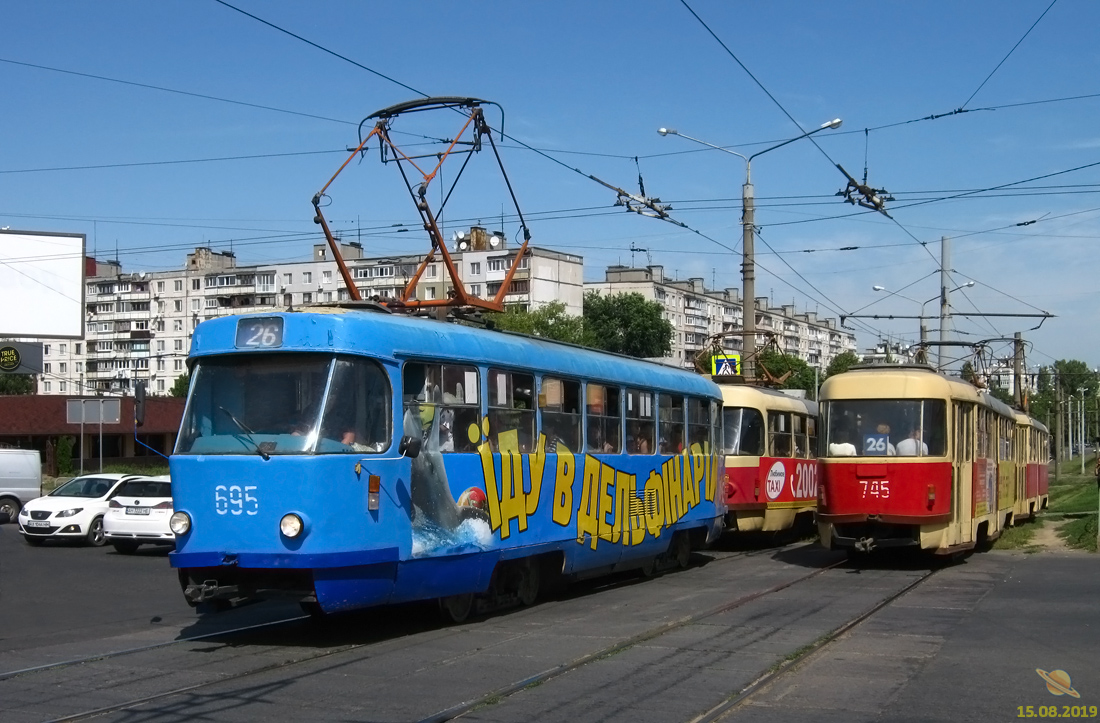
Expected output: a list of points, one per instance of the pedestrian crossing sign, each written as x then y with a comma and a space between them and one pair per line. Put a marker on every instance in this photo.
725, 365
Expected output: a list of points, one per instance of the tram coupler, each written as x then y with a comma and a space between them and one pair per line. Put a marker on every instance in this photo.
865, 544
209, 590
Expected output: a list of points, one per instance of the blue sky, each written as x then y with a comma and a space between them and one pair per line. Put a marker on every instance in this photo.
589, 83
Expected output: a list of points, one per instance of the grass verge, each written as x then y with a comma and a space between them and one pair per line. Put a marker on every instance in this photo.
1080, 533
1019, 537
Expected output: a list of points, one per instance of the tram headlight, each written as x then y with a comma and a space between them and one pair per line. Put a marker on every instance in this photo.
180, 523
291, 525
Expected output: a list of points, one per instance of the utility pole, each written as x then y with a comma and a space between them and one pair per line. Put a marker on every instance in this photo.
1018, 370
748, 276
945, 265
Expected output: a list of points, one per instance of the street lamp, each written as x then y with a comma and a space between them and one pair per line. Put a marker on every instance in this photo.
748, 264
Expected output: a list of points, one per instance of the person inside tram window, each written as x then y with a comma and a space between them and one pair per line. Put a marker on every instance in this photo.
913, 446
878, 443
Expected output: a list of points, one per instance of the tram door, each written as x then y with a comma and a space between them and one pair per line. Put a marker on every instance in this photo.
962, 466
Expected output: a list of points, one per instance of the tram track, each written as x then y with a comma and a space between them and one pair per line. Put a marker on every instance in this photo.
448, 714
795, 661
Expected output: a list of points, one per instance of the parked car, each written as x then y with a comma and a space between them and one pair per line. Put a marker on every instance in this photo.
20, 479
74, 510
138, 514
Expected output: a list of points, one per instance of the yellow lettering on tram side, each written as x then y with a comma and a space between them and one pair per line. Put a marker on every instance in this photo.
588, 509
537, 464
674, 484
490, 476
607, 501
513, 505
624, 493
655, 504
563, 486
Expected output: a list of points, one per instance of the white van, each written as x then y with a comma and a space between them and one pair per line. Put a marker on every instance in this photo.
20, 479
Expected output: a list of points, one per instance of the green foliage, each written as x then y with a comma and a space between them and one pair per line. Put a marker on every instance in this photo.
1080, 533
627, 324
182, 384
13, 384
778, 364
842, 363
1018, 537
967, 373
64, 448
549, 322
1003, 394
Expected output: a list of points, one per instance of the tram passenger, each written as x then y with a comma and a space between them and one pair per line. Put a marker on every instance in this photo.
882, 433
913, 445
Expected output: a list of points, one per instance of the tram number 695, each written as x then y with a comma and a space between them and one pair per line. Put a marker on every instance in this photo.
804, 481
876, 488
236, 500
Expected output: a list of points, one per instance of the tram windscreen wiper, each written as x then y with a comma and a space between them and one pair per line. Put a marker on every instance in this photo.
247, 432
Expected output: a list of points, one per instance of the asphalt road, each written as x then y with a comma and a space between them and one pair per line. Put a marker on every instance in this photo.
964, 644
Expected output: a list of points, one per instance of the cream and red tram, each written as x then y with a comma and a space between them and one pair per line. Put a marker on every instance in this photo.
770, 447
913, 458
1032, 472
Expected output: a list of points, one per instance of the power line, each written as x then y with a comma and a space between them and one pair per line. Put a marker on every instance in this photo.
1009, 53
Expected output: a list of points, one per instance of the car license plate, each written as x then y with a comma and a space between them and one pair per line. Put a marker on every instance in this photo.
36, 523
137, 510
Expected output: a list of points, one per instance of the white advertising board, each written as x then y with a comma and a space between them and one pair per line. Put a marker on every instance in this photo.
42, 282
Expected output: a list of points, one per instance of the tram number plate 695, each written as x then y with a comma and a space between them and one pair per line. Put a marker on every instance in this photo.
876, 488
236, 500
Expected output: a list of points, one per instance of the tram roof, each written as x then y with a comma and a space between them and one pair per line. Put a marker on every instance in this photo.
906, 381
747, 395
398, 336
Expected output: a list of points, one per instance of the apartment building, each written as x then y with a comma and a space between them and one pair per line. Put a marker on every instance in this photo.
697, 313
138, 325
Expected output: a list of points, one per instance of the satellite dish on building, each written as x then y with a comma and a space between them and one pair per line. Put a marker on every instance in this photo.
494, 241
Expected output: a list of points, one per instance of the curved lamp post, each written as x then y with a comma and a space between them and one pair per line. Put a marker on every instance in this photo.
748, 264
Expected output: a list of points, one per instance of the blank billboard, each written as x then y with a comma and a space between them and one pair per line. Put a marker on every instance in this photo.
41, 284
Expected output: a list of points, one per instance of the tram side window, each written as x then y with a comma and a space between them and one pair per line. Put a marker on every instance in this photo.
358, 412
742, 432
671, 413
798, 435
561, 413
779, 427
811, 436
603, 413
444, 400
640, 422
699, 424
511, 411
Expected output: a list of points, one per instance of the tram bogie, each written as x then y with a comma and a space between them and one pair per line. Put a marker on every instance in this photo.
349, 459
913, 458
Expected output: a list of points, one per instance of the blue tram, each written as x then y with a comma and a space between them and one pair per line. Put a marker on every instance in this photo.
349, 458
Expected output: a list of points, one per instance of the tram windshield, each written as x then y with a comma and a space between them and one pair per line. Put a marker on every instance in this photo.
742, 431
885, 428
275, 404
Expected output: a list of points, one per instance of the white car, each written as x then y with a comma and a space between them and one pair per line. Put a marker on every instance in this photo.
138, 514
74, 510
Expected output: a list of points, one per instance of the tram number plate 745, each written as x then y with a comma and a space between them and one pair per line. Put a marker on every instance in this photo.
876, 488
236, 500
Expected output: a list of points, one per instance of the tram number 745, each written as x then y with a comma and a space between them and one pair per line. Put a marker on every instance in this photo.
876, 488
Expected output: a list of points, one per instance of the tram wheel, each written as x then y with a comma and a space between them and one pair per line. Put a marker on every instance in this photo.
457, 608
527, 589
649, 568
313, 609
682, 550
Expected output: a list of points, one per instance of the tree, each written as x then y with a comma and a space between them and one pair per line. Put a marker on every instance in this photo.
842, 363
12, 384
627, 324
549, 322
967, 373
182, 384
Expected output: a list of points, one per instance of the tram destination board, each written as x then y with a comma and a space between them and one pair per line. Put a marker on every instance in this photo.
265, 333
